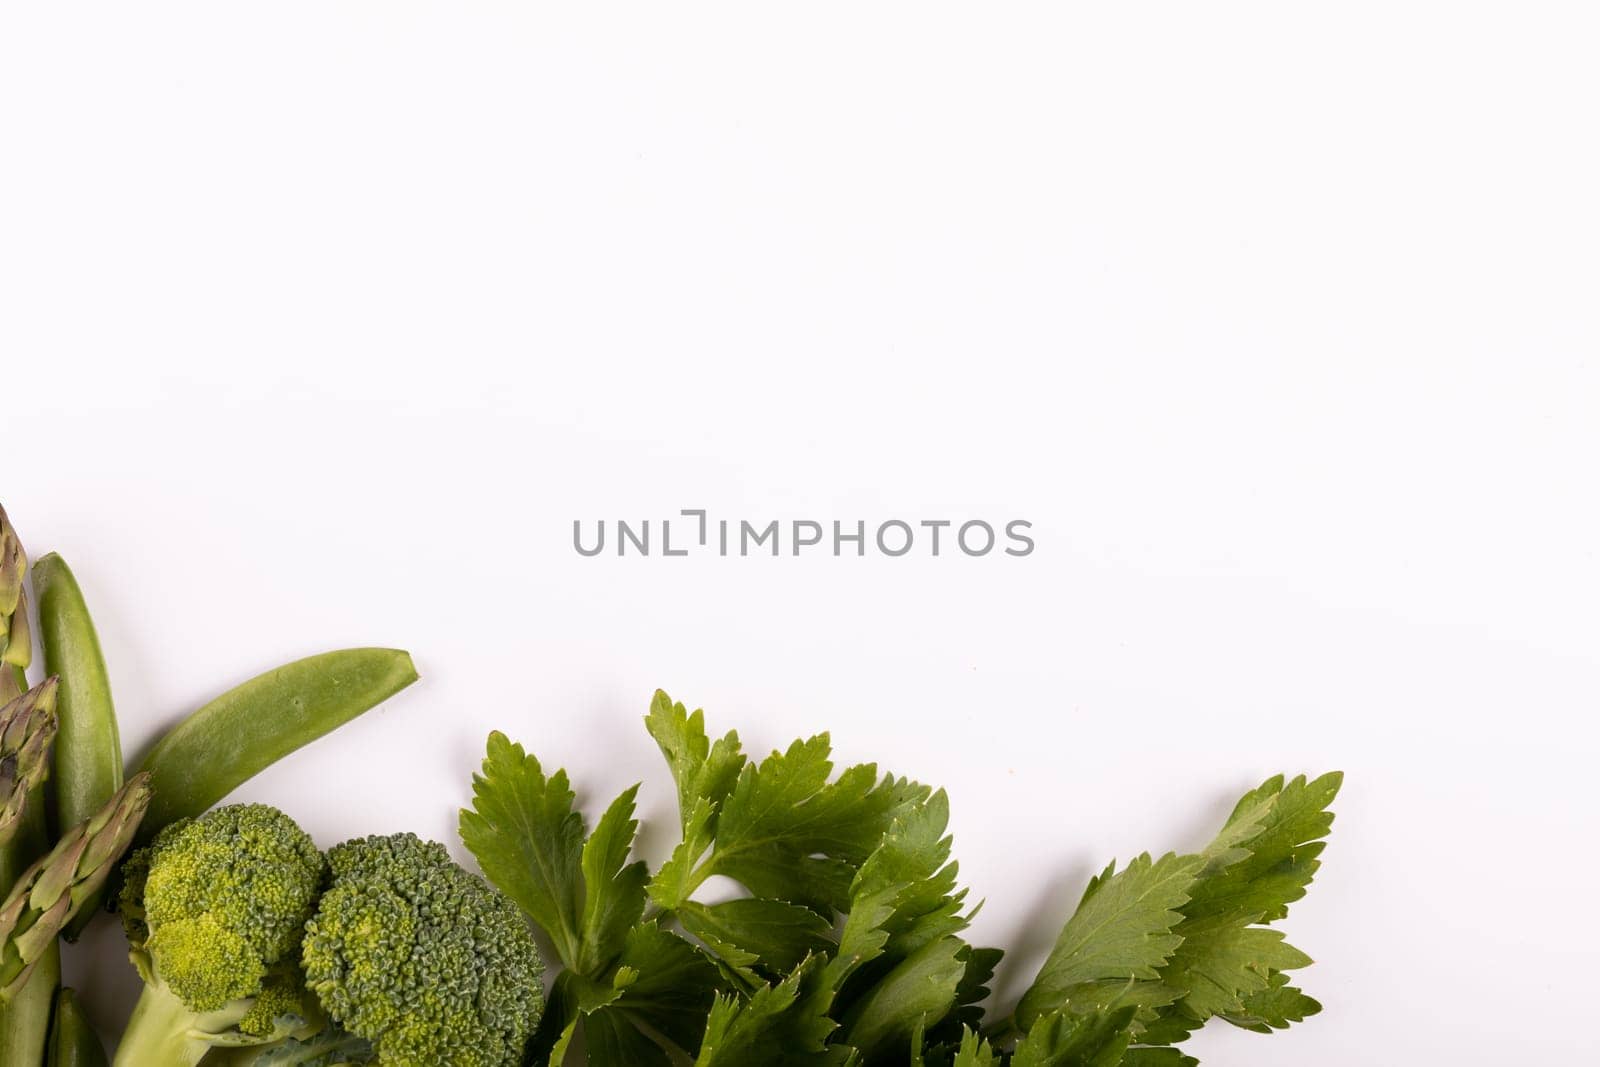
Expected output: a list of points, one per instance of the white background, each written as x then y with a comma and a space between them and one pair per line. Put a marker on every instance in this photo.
321, 323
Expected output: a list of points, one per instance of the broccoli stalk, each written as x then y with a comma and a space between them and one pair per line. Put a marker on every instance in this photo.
214, 911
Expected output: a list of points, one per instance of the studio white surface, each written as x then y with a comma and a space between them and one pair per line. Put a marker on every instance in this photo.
320, 324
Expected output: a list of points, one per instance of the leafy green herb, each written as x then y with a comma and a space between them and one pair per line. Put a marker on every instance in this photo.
848, 947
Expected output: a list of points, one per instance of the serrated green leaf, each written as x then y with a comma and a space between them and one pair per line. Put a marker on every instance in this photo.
614, 890
903, 896
703, 769
612, 1040
1169, 1026
1219, 964
787, 832
920, 990
1157, 1057
529, 841
660, 990
1262, 861
674, 986
1065, 1039
910, 869
780, 1024
974, 1051
1122, 930
980, 964
676, 878
1276, 1007
1268, 852
772, 934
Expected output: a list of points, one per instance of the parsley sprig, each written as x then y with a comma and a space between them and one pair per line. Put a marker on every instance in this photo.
848, 947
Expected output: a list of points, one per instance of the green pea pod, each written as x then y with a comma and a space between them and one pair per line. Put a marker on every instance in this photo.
88, 751
248, 728
87, 761
73, 1042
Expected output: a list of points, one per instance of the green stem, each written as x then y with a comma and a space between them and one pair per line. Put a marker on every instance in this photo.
25, 1020
159, 1032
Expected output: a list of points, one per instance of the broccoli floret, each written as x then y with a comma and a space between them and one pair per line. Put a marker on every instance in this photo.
426, 961
215, 910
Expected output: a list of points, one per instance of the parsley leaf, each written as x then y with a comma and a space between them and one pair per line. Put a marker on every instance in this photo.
919, 991
1121, 931
848, 950
1262, 861
1065, 1039
704, 770
1157, 1057
752, 932
1275, 1007
779, 1025
782, 829
529, 841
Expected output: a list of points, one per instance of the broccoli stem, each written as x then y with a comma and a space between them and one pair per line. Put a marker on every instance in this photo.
161, 1033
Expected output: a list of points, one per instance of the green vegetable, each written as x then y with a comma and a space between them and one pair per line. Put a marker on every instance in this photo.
580, 889
48, 894
849, 947
42, 900
24, 1022
27, 727
25, 1014
250, 727
214, 911
25, 1010
330, 1048
426, 961
16, 645
88, 752
73, 1042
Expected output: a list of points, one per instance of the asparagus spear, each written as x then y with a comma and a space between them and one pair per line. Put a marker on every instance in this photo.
27, 727
48, 894
16, 644
25, 1021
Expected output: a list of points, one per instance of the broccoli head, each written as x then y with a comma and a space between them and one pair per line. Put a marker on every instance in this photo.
215, 909
428, 962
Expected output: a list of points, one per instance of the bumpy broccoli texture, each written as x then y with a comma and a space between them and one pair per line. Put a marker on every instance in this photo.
215, 910
427, 961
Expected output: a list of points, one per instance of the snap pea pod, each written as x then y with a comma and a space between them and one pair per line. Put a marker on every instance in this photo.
250, 727
73, 1042
88, 751
87, 760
